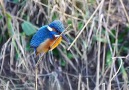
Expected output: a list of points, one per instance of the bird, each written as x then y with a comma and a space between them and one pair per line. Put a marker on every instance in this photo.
48, 37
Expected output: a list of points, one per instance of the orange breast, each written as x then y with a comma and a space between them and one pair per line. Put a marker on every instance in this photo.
48, 45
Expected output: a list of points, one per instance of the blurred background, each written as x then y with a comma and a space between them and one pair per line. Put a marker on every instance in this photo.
98, 59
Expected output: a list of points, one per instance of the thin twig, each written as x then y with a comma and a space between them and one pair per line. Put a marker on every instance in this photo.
39, 60
117, 71
36, 78
79, 82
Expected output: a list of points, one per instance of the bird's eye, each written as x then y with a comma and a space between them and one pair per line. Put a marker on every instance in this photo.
56, 31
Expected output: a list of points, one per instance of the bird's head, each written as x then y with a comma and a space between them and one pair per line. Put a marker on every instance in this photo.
56, 28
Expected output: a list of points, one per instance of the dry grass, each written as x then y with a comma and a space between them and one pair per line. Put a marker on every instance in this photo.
96, 59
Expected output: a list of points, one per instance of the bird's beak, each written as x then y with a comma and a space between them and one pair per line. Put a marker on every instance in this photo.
65, 38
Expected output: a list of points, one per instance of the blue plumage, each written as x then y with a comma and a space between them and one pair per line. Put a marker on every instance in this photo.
41, 35
46, 35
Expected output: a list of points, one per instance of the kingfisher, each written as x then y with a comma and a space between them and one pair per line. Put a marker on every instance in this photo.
48, 37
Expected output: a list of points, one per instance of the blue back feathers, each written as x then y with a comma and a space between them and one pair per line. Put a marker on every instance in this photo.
40, 36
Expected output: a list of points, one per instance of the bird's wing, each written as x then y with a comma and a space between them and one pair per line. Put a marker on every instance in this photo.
39, 37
